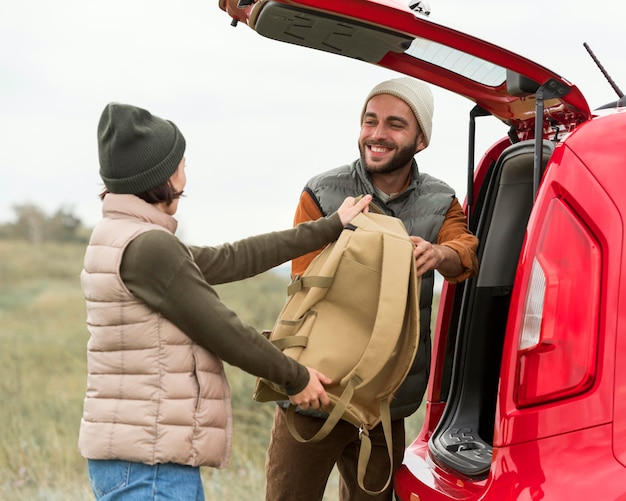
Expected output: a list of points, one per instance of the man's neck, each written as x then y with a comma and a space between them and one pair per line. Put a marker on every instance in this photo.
393, 183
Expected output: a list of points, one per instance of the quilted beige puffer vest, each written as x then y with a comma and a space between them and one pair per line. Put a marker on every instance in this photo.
153, 396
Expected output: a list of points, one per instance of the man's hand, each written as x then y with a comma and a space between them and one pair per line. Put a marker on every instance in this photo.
314, 395
435, 257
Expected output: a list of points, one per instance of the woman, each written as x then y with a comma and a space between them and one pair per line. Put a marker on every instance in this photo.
157, 405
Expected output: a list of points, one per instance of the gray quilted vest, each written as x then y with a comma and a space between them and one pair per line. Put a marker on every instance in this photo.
422, 207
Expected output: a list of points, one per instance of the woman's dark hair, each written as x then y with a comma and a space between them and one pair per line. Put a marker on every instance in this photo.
163, 193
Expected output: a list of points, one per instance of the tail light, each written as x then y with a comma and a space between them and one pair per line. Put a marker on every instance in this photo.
559, 330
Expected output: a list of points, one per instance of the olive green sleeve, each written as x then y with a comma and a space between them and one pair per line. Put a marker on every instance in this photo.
159, 270
248, 257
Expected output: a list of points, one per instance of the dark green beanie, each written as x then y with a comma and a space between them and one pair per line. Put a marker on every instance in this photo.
138, 151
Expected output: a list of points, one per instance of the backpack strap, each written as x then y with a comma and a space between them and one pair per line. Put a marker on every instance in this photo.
391, 309
301, 282
366, 449
366, 444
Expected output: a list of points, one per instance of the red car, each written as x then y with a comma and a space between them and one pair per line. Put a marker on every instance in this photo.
527, 394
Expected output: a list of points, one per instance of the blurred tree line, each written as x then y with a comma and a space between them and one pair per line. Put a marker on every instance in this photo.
33, 225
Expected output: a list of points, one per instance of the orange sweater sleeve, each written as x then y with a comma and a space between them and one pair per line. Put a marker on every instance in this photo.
307, 210
455, 234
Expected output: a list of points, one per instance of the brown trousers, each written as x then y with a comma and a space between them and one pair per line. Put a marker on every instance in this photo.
298, 471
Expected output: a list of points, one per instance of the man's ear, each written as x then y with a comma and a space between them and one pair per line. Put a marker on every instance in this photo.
421, 143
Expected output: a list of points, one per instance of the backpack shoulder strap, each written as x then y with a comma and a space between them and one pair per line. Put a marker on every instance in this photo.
392, 304
366, 444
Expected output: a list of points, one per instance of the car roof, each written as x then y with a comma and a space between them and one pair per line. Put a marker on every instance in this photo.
389, 34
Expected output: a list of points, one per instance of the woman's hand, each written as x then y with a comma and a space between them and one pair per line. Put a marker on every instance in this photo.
349, 209
314, 395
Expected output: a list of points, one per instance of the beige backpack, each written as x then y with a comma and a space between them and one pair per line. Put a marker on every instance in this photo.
354, 316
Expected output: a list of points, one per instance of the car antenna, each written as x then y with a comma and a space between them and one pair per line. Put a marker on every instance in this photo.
620, 94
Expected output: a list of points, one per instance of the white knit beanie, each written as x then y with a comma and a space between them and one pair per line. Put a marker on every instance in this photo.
413, 92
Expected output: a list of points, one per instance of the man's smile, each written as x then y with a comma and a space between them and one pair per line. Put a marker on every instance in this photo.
378, 149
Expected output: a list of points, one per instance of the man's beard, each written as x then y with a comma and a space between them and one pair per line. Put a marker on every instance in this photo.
400, 159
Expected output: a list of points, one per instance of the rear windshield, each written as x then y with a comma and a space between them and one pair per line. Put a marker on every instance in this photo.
458, 62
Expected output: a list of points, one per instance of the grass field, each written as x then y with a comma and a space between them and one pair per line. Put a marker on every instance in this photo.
43, 373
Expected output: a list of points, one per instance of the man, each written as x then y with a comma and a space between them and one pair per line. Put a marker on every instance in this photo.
396, 123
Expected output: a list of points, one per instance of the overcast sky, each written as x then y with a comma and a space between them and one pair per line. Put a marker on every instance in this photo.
260, 117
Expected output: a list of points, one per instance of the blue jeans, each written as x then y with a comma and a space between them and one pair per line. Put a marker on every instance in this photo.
113, 480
